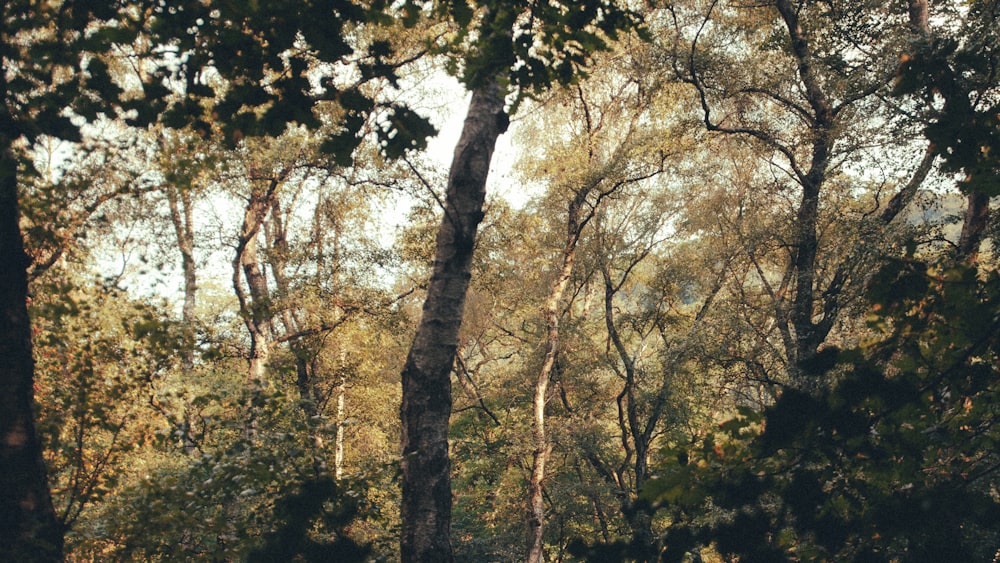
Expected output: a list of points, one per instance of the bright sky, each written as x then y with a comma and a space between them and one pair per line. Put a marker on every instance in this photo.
445, 103
448, 117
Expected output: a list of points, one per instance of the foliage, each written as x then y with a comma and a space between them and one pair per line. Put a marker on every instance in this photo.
98, 354
279, 75
292, 540
52, 55
698, 144
539, 43
895, 462
235, 495
955, 75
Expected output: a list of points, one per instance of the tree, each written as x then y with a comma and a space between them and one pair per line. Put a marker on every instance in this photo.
426, 376
503, 52
600, 162
828, 475
100, 356
811, 86
893, 463
56, 71
51, 62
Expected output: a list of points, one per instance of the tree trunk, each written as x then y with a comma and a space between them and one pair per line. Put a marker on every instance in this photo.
919, 18
29, 528
832, 298
260, 313
255, 308
338, 452
426, 376
636, 514
539, 438
311, 397
977, 215
808, 334
977, 209
182, 216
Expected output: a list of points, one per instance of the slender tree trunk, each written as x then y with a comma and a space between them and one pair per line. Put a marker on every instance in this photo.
977, 215
255, 308
338, 452
426, 376
29, 528
637, 515
261, 317
806, 337
182, 216
906, 195
542, 447
919, 18
832, 298
576, 220
978, 205
305, 364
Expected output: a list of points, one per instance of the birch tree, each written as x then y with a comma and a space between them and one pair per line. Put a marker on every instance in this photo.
824, 82
511, 47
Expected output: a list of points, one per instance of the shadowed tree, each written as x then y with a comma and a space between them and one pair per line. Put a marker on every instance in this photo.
811, 113
54, 71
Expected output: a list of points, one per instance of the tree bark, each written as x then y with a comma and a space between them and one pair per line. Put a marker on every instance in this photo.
255, 308
426, 375
29, 527
977, 216
312, 398
182, 217
338, 452
260, 313
832, 299
807, 335
542, 447
919, 17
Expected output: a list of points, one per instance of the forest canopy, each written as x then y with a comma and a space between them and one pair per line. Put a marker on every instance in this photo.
729, 293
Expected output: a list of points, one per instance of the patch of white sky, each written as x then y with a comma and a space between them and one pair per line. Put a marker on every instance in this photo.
150, 268
444, 100
143, 263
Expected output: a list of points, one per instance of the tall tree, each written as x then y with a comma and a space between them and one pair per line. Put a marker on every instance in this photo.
426, 376
600, 162
828, 68
49, 65
54, 71
513, 45
184, 162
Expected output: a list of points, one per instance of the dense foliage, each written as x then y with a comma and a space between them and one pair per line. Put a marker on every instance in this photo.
894, 462
730, 293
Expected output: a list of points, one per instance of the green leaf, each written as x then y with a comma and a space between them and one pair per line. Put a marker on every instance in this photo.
407, 131
461, 12
341, 147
